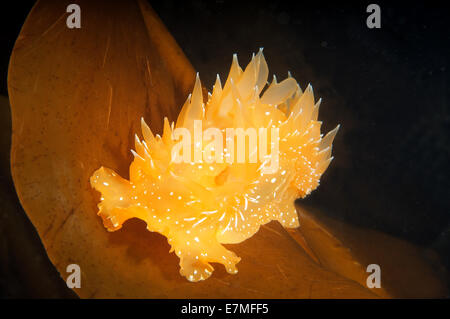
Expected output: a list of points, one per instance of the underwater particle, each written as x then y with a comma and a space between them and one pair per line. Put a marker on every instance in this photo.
201, 205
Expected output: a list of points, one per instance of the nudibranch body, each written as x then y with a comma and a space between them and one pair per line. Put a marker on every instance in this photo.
212, 198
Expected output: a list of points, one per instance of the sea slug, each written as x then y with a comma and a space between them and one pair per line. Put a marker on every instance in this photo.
217, 189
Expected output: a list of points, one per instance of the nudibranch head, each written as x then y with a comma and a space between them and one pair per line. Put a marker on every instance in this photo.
224, 169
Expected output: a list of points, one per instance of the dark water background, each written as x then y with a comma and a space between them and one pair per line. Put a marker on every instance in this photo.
388, 88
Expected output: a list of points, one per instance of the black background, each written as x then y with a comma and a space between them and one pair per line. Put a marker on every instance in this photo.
388, 88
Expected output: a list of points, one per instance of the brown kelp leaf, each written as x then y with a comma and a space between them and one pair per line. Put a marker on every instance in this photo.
407, 271
77, 96
24, 269
328, 250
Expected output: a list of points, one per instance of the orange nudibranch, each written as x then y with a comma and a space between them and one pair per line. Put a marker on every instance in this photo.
201, 204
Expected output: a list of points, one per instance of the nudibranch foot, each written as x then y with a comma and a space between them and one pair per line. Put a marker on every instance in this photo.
116, 194
196, 266
118, 204
216, 188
